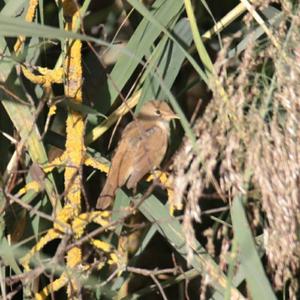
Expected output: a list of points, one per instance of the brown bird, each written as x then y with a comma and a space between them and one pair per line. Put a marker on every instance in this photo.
141, 149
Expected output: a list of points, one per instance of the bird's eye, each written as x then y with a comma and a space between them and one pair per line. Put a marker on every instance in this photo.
157, 112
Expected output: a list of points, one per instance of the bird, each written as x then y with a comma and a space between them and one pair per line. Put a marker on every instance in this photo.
141, 149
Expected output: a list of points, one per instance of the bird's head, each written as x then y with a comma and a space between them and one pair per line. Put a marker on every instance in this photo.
157, 110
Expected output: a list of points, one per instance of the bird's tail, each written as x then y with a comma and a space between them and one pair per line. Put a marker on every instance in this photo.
107, 195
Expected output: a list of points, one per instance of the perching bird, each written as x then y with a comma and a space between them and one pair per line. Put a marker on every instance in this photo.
141, 149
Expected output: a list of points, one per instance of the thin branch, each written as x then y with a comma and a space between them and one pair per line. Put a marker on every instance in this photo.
154, 272
159, 287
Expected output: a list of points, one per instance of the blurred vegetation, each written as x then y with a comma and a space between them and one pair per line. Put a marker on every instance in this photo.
224, 224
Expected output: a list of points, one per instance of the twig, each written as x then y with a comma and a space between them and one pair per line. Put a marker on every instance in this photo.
159, 287
25, 276
2, 284
14, 292
154, 272
36, 211
12, 95
115, 273
214, 210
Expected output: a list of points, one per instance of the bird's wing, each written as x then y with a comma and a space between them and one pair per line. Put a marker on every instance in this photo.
148, 149
141, 148
116, 177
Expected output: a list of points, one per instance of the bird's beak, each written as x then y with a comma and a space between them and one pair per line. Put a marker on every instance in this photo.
171, 116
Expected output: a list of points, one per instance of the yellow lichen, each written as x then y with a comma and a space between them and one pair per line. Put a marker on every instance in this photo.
47, 78
80, 222
114, 259
105, 247
29, 17
50, 236
69, 220
163, 177
52, 110
75, 149
64, 216
74, 257
57, 162
75, 126
100, 217
92, 162
52, 287
33, 186
53, 76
